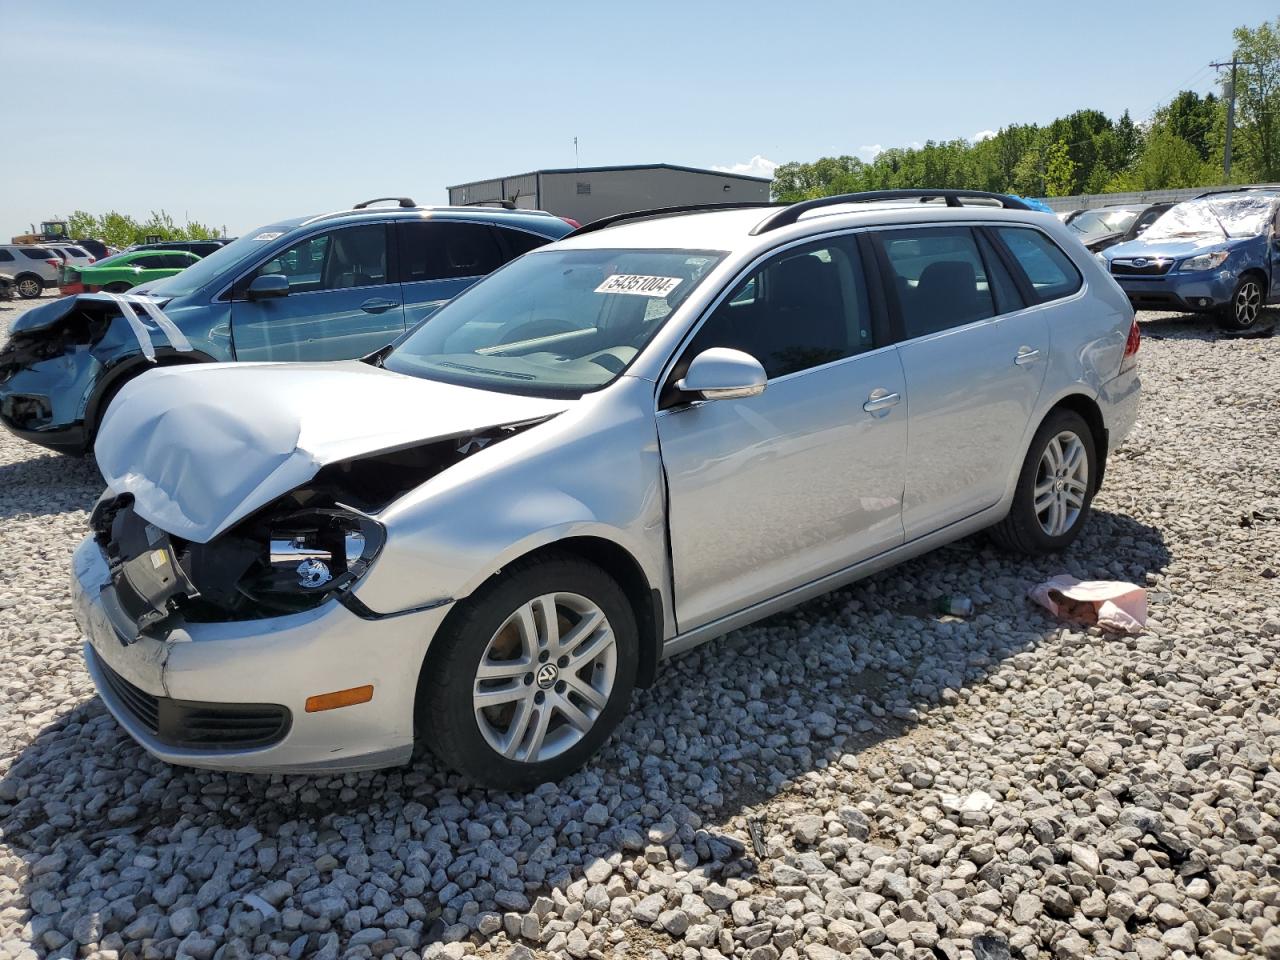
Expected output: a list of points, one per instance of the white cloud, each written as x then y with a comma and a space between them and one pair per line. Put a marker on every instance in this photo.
982, 135
757, 166
868, 152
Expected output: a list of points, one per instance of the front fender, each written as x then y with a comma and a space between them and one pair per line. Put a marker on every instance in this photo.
593, 471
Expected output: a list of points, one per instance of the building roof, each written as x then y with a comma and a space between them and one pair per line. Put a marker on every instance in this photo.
630, 166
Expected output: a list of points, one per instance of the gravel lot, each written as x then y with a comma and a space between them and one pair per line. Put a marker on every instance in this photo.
918, 787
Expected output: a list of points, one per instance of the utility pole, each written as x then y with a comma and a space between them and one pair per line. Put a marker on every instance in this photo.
575, 152
1233, 63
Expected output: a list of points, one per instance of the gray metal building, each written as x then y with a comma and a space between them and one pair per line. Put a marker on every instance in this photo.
589, 193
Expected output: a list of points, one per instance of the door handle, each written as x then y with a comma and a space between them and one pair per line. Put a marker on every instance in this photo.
1026, 355
881, 399
378, 306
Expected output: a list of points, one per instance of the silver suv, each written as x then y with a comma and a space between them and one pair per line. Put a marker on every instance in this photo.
615, 448
33, 268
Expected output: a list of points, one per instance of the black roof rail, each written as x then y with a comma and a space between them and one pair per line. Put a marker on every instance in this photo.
658, 212
953, 198
1256, 186
406, 202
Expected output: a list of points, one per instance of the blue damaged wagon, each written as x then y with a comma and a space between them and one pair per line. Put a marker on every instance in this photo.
330, 287
1218, 253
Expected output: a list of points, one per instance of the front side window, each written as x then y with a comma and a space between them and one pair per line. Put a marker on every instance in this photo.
6, 256
36, 253
1051, 272
555, 322
800, 309
354, 257
939, 277
440, 250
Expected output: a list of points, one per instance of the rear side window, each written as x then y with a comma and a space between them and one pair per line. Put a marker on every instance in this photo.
36, 253
1051, 272
803, 308
150, 261
519, 241
177, 260
442, 250
939, 277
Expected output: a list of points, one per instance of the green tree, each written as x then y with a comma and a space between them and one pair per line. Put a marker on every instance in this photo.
1258, 98
122, 230
1059, 171
1192, 118
1167, 161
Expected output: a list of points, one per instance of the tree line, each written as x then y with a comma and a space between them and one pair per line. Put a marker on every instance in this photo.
121, 230
1180, 145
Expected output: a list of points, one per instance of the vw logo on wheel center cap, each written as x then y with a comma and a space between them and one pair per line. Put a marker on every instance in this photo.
548, 674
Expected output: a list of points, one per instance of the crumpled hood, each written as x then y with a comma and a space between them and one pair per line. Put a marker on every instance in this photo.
201, 447
1169, 249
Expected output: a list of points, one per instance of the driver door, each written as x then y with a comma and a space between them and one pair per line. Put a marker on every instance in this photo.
343, 301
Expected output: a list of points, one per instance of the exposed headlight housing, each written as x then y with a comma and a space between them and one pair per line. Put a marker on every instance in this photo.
1204, 261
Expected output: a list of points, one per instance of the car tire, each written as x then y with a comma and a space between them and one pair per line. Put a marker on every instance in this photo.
1241, 312
529, 722
29, 286
1055, 488
118, 287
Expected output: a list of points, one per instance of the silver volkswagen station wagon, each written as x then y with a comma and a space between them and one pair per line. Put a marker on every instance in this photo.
665, 426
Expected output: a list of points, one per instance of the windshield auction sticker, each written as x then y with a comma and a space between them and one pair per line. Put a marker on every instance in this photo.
639, 285
269, 236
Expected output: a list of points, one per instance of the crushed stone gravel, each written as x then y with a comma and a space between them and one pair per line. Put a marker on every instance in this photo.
859, 777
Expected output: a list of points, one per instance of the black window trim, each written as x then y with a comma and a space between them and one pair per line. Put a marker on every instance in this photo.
1025, 286
880, 325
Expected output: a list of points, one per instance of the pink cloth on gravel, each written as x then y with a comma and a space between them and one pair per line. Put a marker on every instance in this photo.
1112, 604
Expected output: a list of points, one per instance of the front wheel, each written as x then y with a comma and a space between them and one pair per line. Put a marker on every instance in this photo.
29, 287
1242, 311
1055, 488
530, 674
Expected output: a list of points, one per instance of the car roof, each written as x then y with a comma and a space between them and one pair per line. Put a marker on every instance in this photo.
527, 219
731, 229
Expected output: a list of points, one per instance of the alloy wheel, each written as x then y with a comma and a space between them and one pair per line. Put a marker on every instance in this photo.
1247, 303
545, 677
1062, 481
28, 288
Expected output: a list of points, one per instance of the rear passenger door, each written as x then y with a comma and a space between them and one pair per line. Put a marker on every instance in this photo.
974, 354
441, 258
767, 493
343, 301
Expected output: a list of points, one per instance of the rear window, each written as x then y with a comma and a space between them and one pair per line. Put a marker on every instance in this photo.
1050, 271
36, 253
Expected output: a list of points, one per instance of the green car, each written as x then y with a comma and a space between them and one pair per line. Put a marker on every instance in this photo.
124, 270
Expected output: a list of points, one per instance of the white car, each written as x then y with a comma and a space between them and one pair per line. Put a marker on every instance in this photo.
614, 448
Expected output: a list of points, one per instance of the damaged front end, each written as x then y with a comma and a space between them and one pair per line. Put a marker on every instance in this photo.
56, 357
303, 549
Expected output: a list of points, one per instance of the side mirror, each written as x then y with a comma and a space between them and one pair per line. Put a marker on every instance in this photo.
267, 286
723, 374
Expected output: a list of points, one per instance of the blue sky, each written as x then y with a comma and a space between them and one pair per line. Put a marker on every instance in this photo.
238, 114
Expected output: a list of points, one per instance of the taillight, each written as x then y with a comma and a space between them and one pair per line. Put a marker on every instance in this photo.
1131, 346
571, 222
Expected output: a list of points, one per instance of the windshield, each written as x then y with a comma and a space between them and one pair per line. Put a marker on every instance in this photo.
1232, 215
1099, 223
215, 264
553, 323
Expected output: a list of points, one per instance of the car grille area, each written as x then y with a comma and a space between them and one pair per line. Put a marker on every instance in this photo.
194, 725
1140, 266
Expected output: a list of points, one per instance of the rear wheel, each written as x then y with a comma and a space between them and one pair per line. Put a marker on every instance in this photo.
1242, 311
29, 286
530, 674
1055, 488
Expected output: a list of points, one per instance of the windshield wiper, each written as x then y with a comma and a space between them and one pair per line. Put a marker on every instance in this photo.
1221, 226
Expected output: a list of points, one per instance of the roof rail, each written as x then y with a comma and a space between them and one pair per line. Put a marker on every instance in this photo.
658, 212
1262, 187
406, 202
953, 198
